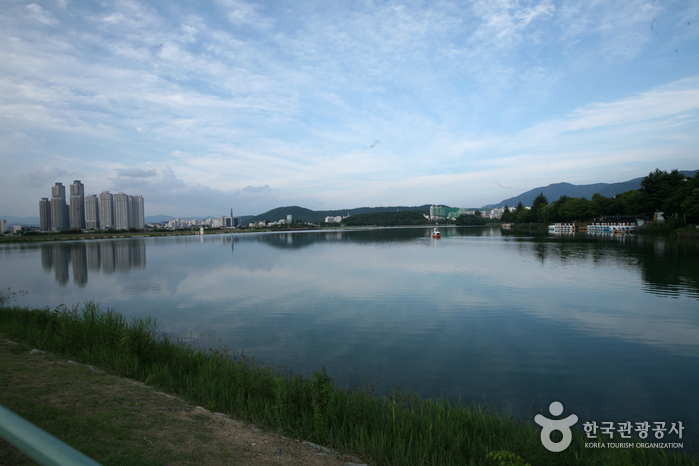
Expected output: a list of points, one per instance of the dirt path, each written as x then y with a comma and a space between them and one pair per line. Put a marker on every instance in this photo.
120, 421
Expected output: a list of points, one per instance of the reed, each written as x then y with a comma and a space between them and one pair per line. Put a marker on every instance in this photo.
399, 428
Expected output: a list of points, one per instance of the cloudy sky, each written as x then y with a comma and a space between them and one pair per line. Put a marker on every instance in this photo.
206, 106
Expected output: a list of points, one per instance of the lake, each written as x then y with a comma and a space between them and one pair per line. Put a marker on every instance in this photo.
608, 325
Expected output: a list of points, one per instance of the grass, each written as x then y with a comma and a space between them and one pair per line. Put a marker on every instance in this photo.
399, 429
107, 418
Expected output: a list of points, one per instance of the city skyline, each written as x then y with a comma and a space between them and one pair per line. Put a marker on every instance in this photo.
258, 105
121, 211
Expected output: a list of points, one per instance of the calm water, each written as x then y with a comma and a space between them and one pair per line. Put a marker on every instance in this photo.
607, 326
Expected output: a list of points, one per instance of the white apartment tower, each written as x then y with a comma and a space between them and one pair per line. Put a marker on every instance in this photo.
136, 210
121, 211
91, 212
106, 210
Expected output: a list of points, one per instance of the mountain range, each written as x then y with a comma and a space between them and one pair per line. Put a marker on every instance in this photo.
552, 192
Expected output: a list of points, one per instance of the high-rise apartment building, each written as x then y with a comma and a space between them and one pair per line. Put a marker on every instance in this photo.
121, 211
136, 210
59, 208
45, 214
91, 212
106, 210
77, 205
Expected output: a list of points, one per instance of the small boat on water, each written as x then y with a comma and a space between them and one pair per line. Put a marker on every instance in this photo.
436, 234
562, 227
612, 227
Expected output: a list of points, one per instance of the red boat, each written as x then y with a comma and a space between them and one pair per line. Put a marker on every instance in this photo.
436, 234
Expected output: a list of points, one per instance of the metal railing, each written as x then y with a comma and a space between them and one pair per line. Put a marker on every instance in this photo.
38, 444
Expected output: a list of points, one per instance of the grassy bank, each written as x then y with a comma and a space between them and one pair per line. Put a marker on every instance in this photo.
398, 429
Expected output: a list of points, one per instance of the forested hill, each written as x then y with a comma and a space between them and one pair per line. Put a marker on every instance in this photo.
386, 219
316, 216
554, 191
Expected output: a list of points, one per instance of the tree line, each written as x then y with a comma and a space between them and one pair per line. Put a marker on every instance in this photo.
407, 217
671, 193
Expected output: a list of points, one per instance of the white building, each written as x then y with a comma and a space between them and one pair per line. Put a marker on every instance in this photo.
91, 212
121, 211
106, 210
336, 219
137, 218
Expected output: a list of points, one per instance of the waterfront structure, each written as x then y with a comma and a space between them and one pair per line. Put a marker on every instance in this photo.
106, 210
77, 205
45, 214
59, 208
336, 219
91, 212
230, 222
440, 212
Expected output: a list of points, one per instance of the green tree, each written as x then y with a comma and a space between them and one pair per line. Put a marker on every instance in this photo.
601, 206
507, 216
628, 203
539, 203
576, 208
658, 187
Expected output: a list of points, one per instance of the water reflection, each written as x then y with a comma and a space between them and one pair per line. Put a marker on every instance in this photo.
382, 236
515, 321
667, 267
105, 256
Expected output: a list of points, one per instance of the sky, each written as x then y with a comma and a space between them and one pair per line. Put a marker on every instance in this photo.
204, 107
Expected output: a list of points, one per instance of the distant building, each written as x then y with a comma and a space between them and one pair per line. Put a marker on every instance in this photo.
106, 210
289, 218
77, 205
136, 211
440, 212
336, 219
91, 212
3, 225
121, 211
59, 208
45, 214
230, 222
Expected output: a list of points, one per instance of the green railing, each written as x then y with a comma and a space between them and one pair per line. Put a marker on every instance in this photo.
38, 444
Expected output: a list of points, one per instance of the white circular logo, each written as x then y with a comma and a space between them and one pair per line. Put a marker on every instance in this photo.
562, 425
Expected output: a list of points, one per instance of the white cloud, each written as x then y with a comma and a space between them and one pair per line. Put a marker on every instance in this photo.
461, 96
45, 176
39, 14
135, 172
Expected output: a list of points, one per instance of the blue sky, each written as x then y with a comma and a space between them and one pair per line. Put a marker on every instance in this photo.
206, 106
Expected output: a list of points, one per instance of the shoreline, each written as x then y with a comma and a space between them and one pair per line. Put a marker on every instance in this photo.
399, 428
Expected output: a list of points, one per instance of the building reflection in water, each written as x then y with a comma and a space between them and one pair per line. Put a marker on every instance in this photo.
95, 256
